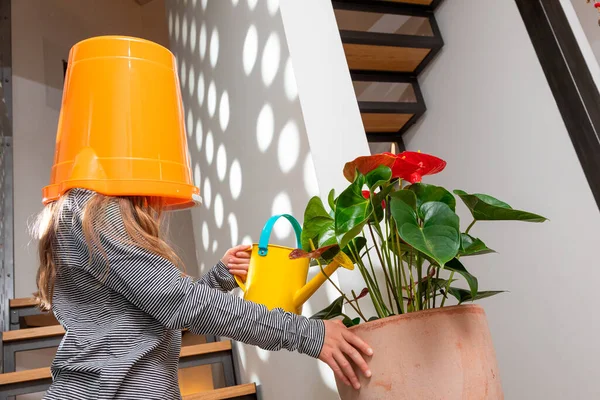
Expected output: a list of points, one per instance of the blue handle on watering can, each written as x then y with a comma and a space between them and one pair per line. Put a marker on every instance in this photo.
263, 243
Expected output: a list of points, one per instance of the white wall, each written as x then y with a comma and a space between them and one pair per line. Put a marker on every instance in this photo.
250, 153
42, 33
583, 18
492, 116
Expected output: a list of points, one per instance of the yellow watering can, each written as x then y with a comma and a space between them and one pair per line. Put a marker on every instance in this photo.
274, 279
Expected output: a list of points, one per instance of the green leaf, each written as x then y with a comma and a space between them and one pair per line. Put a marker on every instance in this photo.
378, 177
377, 200
436, 284
426, 193
471, 246
318, 225
351, 322
352, 212
438, 237
357, 245
331, 311
487, 208
406, 196
456, 266
373, 319
463, 295
331, 199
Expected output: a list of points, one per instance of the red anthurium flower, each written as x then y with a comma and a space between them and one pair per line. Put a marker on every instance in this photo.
366, 164
366, 194
413, 166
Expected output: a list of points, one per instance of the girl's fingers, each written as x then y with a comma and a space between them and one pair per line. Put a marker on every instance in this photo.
358, 343
357, 358
242, 247
337, 371
238, 272
242, 254
346, 368
241, 261
231, 266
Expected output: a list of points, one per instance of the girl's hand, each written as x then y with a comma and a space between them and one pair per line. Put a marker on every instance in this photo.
341, 345
237, 260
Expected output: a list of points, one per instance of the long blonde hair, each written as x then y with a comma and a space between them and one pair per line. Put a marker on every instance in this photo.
143, 219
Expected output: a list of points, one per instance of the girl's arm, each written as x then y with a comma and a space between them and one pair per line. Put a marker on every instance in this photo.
157, 287
219, 278
234, 262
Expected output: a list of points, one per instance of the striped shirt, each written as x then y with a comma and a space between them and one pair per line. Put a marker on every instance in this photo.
123, 320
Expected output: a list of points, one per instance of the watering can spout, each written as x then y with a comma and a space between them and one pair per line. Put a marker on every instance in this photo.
315, 283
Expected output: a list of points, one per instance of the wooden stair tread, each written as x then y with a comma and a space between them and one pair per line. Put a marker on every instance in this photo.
421, 2
25, 376
44, 373
205, 348
384, 58
224, 393
23, 302
388, 122
33, 333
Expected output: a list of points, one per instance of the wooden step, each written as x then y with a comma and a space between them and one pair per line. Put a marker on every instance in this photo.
43, 373
32, 333
23, 302
225, 393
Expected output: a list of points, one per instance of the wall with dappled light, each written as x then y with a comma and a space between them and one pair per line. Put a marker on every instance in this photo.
250, 153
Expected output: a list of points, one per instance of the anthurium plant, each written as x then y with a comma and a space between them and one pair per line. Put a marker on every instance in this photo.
404, 236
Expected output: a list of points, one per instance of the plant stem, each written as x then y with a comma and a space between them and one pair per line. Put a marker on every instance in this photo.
447, 289
470, 226
387, 278
372, 286
437, 276
419, 279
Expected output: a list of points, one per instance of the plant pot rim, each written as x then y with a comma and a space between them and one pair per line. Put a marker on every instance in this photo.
459, 309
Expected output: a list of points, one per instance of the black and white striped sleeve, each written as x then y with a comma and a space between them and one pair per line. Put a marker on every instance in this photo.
219, 278
157, 287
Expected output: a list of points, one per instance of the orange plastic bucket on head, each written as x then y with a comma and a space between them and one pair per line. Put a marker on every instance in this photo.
121, 130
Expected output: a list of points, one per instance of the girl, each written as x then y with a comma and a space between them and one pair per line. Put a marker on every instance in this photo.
114, 284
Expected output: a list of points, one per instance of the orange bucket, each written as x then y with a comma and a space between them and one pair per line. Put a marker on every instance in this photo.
121, 130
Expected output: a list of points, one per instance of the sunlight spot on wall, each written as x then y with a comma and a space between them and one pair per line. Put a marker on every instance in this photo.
310, 177
289, 81
203, 40
205, 238
209, 146
255, 378
224, 111
247, 240
265, 127
288, 148
212, 99
207, 193
199, 134
264, 355
282, 205
221, 162
214, 47
190, 123
215, 246
273, 6
183, 75
177, 28
250, 52
191, 80
184, 32
235, 2
252, 4
235, 179
197, 175
233, 228
204, 4
201, 89
170, 22
193, 37
270, 59
219, 210
194, 3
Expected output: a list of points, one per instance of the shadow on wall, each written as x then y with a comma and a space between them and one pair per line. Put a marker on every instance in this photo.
249, 152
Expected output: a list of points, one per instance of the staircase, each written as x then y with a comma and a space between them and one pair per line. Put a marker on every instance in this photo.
14, 383
388, 43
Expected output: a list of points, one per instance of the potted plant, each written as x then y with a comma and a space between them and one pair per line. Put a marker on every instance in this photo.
405, 238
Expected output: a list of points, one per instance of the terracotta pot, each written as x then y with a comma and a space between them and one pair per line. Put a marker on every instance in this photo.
441, 354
